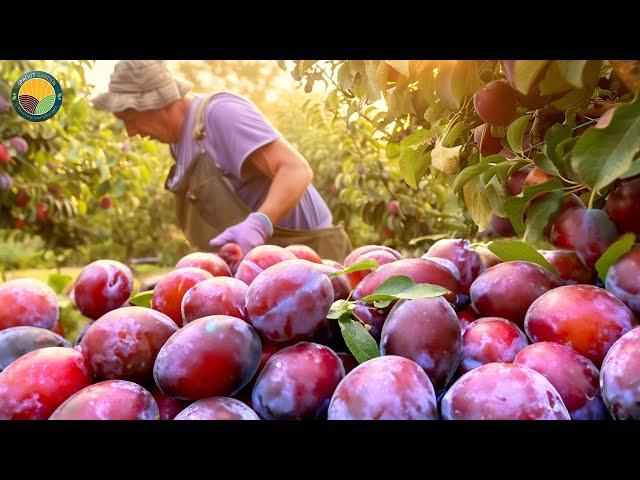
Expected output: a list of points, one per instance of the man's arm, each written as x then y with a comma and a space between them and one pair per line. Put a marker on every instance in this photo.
290, 176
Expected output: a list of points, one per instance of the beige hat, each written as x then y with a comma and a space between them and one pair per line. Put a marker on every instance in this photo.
141, 85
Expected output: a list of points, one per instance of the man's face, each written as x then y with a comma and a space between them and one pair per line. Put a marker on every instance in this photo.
155, 124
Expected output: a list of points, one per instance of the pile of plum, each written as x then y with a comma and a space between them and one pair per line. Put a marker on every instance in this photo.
246, 337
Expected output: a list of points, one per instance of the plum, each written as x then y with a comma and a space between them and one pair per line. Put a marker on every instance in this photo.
489, 340
382, 257
37, 383
232, 254
569, 266
503, 391
427, 331
17, 341
623, 279
297, 383
168, 407
574, 377
28, 302
259, 259
486, 143
304, 252
215, 296
289, 301
123, 344
419, 270
384, 388
496, 103
171, 289
588, 232
508, 289
209, 262
102, 286
467, 260
109, 400
217, 408
584, 317
211, 356
623, 206
620, 377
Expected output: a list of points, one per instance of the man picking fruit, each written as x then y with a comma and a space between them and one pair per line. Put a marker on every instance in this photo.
235, 178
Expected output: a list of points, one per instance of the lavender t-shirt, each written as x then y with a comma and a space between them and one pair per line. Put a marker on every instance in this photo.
234, 128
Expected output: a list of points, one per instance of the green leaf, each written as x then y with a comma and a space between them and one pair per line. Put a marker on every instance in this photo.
601, 155
393, 285
516, 131
526, 72
413, 165
611, 255
633, 170
340, 308
360, 342
554, 82
142, 299
515, 250
392, 150
473, 171
356, 267
478, 206
572, 71
543, 162
515, 206
59, 282
282, 64
452, 135
402, 287
540, 214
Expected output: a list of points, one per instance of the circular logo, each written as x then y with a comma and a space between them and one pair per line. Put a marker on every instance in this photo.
36, 96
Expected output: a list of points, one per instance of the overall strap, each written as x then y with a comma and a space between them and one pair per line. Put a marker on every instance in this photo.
199, 124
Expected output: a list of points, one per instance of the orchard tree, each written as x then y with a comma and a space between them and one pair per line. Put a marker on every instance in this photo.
520, 141
76, 180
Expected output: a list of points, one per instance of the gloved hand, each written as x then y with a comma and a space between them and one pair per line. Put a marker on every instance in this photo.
251, 232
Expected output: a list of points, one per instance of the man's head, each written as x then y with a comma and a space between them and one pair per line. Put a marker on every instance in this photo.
147, 98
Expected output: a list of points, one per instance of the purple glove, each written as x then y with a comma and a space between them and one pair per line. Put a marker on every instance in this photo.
251, 232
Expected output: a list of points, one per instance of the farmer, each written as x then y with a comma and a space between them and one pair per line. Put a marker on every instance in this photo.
235, 177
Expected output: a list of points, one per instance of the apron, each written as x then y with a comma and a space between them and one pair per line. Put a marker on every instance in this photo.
206, 204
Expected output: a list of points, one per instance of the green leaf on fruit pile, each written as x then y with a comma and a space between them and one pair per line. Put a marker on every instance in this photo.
142, 299
611, 255
515, 133
540, 214
340, 308
478, 206
360, 342
526, 72
515, 250
601, 155
515, 206
446, 159
402, 287
356, 267
59, 282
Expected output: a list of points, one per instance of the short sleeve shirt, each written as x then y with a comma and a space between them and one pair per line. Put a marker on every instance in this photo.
235, 128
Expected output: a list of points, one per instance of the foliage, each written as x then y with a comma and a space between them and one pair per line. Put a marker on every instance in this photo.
422, 113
